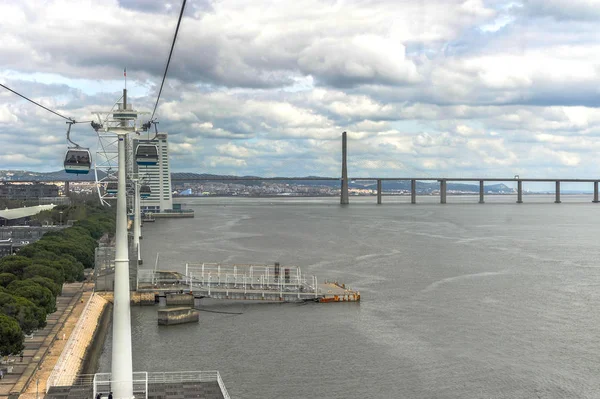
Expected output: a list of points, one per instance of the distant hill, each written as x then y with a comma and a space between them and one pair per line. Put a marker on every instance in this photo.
399, 185
60, 175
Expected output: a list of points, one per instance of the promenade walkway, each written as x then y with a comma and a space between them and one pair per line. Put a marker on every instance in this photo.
44, 348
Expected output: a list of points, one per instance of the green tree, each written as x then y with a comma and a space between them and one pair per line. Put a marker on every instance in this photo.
29, 316
14, 264
41, 296
56, 289
11, 336
44, 271
6, 279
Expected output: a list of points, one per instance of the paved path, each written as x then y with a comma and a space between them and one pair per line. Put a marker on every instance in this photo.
45, 344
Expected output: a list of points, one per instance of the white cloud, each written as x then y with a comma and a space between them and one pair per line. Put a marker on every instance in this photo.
457, 87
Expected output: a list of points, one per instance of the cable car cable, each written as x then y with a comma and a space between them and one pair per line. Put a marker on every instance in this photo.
40, 105
169, 59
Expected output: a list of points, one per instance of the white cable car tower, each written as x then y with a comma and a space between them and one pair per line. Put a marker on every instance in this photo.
121, 123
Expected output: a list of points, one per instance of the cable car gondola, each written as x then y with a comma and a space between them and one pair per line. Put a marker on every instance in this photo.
146, 154
145, 191
78, 160
112, 188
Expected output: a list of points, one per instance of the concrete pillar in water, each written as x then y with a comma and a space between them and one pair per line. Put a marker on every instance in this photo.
162, 300
197, 302
481, 201
442, 191
519, 192
378, 191
344, 200
557, 200
595, 192
413, 191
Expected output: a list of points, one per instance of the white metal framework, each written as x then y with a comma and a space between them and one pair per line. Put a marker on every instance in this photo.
106, 164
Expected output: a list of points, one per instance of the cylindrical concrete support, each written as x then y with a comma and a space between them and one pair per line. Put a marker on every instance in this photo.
413, 191
481, 201
595, 192
344, 199
442, 191
557, 192
378, 191
197, 302
162, 300
136, 220
67, 189
121, 369
519, 192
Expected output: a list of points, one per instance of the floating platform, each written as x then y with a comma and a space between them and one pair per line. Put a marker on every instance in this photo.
243, 282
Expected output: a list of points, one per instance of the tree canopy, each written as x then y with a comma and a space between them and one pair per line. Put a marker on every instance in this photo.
31, 280
36, 293
29, 316
11, 336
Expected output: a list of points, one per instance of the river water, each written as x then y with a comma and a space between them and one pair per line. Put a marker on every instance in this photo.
458, 301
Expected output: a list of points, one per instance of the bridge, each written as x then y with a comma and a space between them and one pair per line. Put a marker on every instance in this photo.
345, 179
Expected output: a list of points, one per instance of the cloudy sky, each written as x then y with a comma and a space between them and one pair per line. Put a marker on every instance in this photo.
265, 87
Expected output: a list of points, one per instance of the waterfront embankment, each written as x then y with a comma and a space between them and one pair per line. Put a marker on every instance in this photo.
81, 343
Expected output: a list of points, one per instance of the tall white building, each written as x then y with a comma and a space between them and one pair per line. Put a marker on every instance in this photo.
158, 177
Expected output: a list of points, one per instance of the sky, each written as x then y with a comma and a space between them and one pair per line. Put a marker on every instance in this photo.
452, 88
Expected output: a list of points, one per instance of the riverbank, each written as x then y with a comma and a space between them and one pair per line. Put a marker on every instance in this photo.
81, 343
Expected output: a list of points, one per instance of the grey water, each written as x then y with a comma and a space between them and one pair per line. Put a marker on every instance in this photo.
463, 300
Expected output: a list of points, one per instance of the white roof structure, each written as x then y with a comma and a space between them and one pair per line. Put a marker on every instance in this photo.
18, 213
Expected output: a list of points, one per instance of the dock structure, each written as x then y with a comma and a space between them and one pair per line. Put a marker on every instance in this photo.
244, 282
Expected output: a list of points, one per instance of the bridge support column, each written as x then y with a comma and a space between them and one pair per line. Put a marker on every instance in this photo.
378, 191
595, 192
519, 192
197, 301
67, 189
162, 300
481, 201
413, 191
344, 200
557, 193
442, 191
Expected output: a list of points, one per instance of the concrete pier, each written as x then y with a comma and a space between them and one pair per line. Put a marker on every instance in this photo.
168, 317
180, 300
379, 192
481, 201
344, 199
519, 192
557, 193
442, 191
413, 191
595, 192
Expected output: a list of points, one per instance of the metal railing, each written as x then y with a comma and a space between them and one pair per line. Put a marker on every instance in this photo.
102, 381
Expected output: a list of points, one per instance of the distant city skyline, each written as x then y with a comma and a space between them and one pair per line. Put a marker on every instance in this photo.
424, 88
